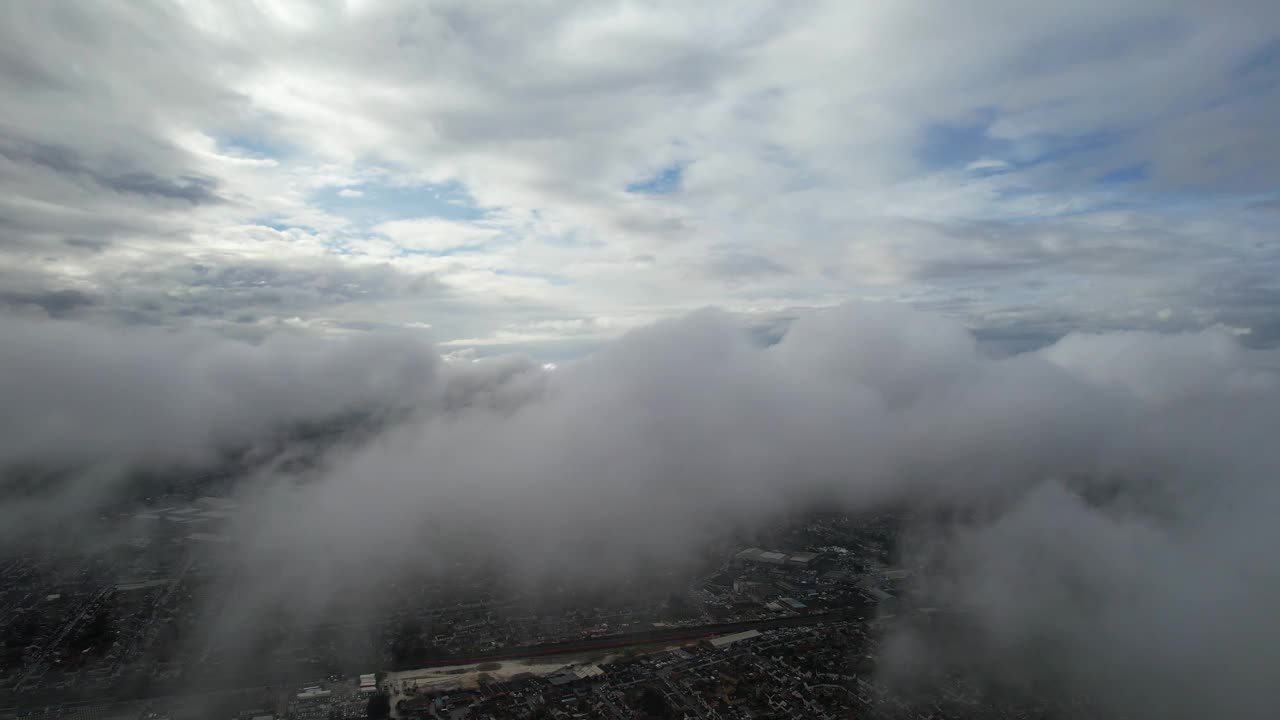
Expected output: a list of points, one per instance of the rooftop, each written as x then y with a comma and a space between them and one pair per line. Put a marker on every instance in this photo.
726, 640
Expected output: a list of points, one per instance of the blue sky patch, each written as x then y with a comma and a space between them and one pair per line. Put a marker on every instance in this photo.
379, 202
949, 145
1120, 176
256, 146
1265, 57
1059, 147
666, 181
970, 146
553, 280
276, 222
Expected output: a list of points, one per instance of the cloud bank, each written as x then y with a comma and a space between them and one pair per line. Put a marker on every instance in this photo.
1119, 489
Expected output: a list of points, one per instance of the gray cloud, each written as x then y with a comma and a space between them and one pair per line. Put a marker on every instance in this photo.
56, 303
266, 291
81, 393
195, 190
86, 244
1116, 477
204, 123
1121, 486
67, 161
688, 429
733, 266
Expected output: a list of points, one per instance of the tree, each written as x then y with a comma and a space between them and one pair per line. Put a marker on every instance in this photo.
379, 706
652, 704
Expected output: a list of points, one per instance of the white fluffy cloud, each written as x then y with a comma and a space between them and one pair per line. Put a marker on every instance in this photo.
435, 234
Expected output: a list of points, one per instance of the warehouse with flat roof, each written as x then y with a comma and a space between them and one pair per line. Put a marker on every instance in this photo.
727, 640
804, 560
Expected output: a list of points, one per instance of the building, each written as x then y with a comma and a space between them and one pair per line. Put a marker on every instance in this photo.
727, 640
801, 560
314, 692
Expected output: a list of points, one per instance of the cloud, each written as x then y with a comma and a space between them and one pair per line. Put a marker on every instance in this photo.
1096, 597
56, 304
1008, 132
89, 407
204, 186
734, 265
435, 235
1115, 487
85, 244
67, 161
1114, 473
85, 394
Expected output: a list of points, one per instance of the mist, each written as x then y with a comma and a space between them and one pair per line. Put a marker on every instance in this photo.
85, 405
1119, 489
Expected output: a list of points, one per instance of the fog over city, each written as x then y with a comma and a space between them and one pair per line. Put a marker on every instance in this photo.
1122, 485
941, 338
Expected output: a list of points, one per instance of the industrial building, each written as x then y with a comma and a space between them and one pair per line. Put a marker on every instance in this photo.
314, 692
803, 560
727, 640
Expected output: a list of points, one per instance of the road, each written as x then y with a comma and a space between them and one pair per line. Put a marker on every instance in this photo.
227, 687
39, 664
646, 637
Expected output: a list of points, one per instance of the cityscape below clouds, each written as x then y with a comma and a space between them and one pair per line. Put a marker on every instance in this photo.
377, 359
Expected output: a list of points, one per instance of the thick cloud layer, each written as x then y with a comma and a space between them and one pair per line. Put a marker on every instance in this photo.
1121, 487
79, 393
86, 405
690, 422
1030, 167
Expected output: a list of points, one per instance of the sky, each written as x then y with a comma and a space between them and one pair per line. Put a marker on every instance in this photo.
542, 178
